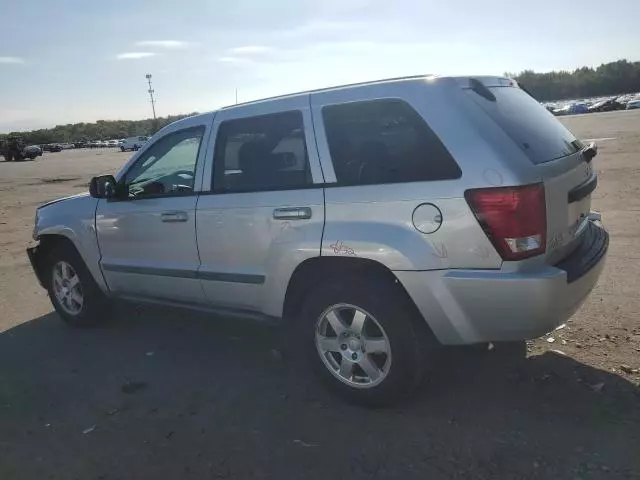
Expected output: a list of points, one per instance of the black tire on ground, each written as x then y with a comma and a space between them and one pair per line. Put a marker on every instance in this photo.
95, 308
122, 149
409, 337
8, 157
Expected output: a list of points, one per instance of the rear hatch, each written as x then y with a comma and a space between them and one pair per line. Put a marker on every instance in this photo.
561, 161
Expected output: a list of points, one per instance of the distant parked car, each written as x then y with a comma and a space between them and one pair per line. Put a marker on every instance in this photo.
32, 151
572, 109
112, 143
580, 108
133, 143
633, 104
564, 110
606, 105
52, 147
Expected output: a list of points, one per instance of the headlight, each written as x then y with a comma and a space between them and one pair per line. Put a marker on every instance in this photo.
34, 234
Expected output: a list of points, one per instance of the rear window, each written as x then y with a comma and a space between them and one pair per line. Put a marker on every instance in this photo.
384, 141
536, 131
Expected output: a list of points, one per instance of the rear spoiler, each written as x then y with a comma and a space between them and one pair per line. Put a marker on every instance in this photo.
487, 81
481, 85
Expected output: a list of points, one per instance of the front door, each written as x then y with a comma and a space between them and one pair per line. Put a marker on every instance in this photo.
147, 236
264, 212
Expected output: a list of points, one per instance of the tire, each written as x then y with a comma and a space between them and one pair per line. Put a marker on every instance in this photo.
8, 157
122, 149
390, 317
93, 308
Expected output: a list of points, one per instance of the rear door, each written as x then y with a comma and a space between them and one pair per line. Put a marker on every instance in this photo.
263, 212
556, 155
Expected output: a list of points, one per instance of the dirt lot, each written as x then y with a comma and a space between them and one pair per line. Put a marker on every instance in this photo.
163, 394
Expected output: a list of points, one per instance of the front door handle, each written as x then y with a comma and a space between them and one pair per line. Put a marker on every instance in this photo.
292, 213
172, 217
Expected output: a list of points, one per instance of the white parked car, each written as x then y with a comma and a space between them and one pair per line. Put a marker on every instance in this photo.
133, 143
633, 104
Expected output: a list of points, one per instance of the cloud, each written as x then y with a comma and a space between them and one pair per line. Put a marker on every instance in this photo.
15, 60
135, 55
236, 60
168, 44
251, 50
323, 28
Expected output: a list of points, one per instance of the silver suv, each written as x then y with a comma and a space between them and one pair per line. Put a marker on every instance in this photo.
376, 220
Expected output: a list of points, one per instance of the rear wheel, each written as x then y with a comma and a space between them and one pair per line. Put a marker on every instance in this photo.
72, 290
362, 338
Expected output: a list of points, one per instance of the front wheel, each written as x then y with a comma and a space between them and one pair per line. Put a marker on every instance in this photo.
362, 337
72, 290
122, 149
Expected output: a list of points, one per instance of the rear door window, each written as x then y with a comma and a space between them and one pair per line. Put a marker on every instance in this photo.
384, 141
261, 153
536, 131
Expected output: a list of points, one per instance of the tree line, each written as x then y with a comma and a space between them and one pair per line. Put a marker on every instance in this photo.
100, 130
612, 78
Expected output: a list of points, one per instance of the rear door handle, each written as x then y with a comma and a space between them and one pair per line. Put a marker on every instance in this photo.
292, 213
172, 217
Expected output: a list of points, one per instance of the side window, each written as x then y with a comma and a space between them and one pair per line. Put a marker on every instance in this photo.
167, 167
384, 141
268, 152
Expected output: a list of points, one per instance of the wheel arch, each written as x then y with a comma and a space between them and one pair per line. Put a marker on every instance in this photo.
48, 241
314, 271
39, 253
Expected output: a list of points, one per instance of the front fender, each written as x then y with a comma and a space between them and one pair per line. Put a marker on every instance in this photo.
73, 219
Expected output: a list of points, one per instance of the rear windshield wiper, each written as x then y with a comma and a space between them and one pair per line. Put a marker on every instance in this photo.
478, 87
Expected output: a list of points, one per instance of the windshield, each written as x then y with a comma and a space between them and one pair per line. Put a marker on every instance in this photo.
536, 131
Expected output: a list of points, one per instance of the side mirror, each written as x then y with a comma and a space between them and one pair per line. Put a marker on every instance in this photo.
590, 151
103, 186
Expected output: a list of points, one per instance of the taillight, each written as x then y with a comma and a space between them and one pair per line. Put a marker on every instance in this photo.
514, 218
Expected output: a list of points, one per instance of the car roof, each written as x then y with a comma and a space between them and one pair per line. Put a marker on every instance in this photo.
463, 81
425, 78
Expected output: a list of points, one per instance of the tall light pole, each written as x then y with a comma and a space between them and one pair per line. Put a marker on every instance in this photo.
153, 102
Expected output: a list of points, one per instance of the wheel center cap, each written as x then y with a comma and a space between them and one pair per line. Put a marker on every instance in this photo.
355, 344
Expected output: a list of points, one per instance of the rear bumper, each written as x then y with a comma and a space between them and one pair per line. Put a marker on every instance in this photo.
472, 306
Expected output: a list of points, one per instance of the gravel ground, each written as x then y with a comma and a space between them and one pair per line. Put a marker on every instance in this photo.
164, 394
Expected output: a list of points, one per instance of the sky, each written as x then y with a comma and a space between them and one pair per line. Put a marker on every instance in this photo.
67, 61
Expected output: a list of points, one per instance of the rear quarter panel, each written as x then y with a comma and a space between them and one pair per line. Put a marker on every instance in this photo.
375, 221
